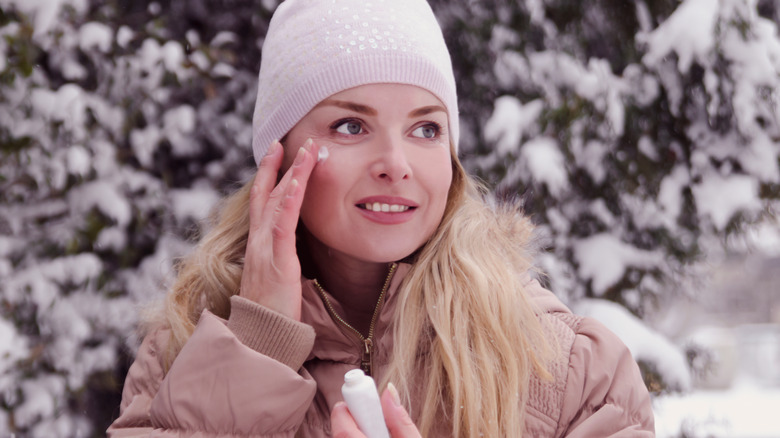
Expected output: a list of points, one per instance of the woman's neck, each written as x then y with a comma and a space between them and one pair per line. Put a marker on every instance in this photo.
354, 283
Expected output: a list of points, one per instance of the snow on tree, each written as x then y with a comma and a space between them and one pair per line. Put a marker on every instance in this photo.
116, 138
636, 133
639, 134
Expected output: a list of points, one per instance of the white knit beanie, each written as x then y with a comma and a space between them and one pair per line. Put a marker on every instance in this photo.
316, 48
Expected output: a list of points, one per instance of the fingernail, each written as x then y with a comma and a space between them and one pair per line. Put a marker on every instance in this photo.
394, 394
275, 145
339, 404
299, 156
307, 144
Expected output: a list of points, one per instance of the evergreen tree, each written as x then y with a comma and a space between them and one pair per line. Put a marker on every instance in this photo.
638, 134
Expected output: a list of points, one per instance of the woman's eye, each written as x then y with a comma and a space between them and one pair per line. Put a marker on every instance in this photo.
349, 128
426, 131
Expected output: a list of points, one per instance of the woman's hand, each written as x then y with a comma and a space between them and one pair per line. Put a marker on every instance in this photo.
272, 271
397, 419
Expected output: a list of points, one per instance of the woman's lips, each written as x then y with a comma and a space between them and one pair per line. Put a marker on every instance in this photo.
387, 209
376, 206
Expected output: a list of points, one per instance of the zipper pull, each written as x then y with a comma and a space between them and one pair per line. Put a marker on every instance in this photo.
365, 362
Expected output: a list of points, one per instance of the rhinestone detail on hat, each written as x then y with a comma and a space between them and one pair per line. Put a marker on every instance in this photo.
322, 45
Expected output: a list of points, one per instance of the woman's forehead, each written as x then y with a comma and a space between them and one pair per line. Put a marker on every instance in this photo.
372, 99
374, 92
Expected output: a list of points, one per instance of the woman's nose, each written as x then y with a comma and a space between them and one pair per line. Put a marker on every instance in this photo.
392, 163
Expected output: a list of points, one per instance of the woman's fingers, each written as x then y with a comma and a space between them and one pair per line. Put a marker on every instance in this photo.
342, 425
288, 210
398, 421
265, 179
272, 270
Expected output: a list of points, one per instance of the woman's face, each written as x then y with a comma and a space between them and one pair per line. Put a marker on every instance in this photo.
382, 191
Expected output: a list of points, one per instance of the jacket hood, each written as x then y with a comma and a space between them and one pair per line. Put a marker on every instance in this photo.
544, 300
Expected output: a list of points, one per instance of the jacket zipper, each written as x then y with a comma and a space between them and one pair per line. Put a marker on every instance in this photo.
366, 363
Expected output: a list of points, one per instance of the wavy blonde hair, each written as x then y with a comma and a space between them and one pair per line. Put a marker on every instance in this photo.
466, 336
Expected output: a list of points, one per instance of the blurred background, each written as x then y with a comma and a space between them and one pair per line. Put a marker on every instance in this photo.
642, 137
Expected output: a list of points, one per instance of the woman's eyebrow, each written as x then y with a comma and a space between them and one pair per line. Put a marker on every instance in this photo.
419, 112
358, 108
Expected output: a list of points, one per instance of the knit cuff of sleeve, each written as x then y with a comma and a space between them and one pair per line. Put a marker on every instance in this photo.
270, 333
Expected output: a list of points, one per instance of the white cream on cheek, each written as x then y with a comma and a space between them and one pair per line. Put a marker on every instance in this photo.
323, 154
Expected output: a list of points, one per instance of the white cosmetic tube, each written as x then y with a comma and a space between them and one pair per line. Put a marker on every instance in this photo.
362, 399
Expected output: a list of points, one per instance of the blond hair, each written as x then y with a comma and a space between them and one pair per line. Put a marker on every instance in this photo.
461, 304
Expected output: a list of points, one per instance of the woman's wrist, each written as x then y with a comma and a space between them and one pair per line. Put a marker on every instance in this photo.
270, 333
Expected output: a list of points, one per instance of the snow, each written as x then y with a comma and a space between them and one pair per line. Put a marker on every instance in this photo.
172, 56
224, 37
8, 29
511, 69
44, 11
154, 273
223, 70
543, 160
603, 259
599, 209
590, 157
269, 5
124, 35
193, 204
511, 119
95, 35
66, 105
109, 116
112, 238
193, 38
646, 146
200, 60
562, 110
177, 124
41, 281
689, 32
758, 60
144, 143
748, 409
670, 196
645, 344
761, 158
149, 54
18, 215
78, 160
13, 348
42, 396
721, 197
102, 196
765, 238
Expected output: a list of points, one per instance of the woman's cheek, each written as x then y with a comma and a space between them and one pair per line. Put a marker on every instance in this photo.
328, 177
333, 160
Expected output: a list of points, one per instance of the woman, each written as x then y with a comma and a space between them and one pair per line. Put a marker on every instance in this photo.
381, 256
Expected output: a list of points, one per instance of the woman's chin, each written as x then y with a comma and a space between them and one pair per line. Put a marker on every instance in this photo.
383, 255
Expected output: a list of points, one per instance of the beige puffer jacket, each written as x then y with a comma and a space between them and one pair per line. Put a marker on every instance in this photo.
262, 374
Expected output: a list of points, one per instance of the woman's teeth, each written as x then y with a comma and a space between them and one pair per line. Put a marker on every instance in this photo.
378, 206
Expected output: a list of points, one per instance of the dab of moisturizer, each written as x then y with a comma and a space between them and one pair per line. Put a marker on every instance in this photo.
323, 154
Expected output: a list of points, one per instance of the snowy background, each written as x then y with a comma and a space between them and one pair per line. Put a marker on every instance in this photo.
642, 137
